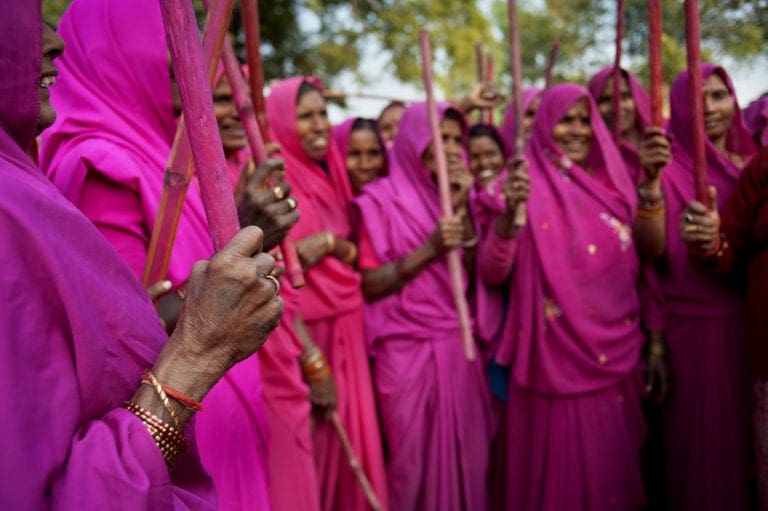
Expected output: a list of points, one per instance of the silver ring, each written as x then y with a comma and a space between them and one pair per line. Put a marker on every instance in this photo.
291, 203
278, 192
688, 218
275, 282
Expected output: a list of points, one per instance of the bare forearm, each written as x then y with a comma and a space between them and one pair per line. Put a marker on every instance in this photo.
393, 276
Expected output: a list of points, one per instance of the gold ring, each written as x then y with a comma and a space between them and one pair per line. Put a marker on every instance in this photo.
279, 193
274, 281
291, 202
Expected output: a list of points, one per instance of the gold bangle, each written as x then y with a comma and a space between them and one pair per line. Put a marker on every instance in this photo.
168, 439
153, 382
310, 356
351, 254
330, 242
651, 213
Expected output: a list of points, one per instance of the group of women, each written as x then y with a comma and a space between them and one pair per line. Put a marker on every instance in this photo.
595, 282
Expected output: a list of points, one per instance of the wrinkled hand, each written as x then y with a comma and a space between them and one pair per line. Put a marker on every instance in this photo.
260, 206
460, 181
448, 234
657, 378
313, 248
517, 185
230, 307
700, 225
322, 395
654, 151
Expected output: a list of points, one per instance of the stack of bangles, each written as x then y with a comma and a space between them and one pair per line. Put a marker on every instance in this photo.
651, 202
314, 365
168, 438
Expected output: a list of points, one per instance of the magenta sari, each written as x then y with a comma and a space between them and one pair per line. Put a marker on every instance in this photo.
70, 355
434, 404
572, 338
707, 413
331, 304
756, 119
107, 153
508, 126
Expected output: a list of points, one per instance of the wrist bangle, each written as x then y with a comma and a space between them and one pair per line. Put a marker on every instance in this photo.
718, 250
168, 439
351, 254
330, 242
657, 348
186, 401
471, 242
149, 379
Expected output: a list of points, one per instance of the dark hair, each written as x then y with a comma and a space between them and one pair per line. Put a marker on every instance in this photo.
361, 123
392, 104
305, 88
486, 130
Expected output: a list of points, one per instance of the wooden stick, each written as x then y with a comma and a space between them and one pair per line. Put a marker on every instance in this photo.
551, 64
197, 103
180, 169
521, 214
654, 62
354, 463
490, 77
616, 76
333, 94
250, 12
693, 56
444, 187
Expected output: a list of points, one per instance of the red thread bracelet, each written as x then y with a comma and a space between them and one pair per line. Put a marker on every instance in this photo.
188, 402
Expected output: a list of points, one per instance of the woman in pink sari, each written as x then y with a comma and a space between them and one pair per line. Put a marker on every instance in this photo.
574, 423
434, 404
362, 146
706, 423
331, 302
107, 154
80, 431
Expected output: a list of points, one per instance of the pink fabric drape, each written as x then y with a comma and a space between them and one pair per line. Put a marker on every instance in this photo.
116, 122
331, 305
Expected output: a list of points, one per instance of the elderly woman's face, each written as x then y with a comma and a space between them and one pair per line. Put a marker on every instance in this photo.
312, 124
52, 47
573, 133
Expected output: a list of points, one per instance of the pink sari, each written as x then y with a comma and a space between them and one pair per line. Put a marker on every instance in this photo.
707, 413
572, 338
434, 404
114, 132
331, 304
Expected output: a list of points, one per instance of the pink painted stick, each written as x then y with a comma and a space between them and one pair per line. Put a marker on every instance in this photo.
197, 103
490, 76
521, 214
616, 76
354, 463
180, 169
693, 55
654, 62
444, 187
551, 64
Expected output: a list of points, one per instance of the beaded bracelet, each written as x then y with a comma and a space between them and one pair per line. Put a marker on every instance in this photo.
169, 440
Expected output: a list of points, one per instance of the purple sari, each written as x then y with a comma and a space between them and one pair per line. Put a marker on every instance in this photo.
707, 411
434, 405
70, 354
115, 127
572, 338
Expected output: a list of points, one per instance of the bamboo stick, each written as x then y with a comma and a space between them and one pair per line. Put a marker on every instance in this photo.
333, 94
443, 185
521, 215
180, 169
616, 76
197, 103
490, 77
250, 11
354, 463
551, 64
693, 56
654, 62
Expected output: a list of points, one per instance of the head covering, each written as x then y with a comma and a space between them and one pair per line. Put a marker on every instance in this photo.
324, 196
639, 95
688, 291
341, 133
573, 319
756, 119
508, 126
116, 118
77, 330
400, 212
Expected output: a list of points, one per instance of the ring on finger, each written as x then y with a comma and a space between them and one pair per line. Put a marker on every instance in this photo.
688, 217
274, 281
291, 203
279, 193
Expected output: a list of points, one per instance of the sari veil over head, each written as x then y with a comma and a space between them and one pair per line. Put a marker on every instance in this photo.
572, 326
